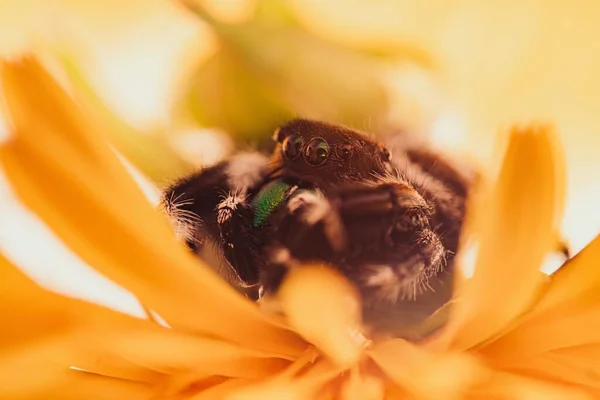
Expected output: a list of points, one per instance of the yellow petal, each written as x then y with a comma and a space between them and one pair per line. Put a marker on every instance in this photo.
61, 169
522, 210
324, 308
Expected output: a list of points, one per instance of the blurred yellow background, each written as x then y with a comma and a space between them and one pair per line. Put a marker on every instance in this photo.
184, 83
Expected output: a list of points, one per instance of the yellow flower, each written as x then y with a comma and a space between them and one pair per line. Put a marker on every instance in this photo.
513, 333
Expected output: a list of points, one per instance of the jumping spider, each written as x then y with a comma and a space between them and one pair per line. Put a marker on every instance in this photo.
391, 224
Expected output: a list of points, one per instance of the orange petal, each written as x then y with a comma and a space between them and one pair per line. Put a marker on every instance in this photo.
42, 315
61, 170
567, 314
34, 368
219, 391
324, 308
522, 211
578, 278
358, 387
562, 329
82, 385
244, 368
284, 386
106, 342
33, 312
561, 367
516, 387
428, 375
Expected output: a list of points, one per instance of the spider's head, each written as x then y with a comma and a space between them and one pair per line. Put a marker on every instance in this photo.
329, 154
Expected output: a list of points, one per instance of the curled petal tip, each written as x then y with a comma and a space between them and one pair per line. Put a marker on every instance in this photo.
325, 308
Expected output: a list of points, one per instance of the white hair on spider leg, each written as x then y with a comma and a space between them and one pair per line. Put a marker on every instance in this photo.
184, 222
319, 206
228, 205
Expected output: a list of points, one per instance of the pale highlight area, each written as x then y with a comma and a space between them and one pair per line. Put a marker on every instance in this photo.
31, 245
135, 66
202, 147
22, 24
581, 220
500, 63
133, 52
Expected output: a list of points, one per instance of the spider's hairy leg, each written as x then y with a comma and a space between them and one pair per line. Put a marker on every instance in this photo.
309, 227
361, 227
397, 259
205, 205
234, 219
389, 229
389, 251
443, 181
306, 228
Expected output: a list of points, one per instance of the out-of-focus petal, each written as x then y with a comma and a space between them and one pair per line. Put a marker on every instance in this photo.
46, 324
82, 385
426, 375
108, 343
560, 338
522, 211
358, 387
516, 387
35, 367
43, 336
566, 315
563, 328
579, 278
250, 368
169, 352
324, 308
62, 170
285, 386
151, 152
32, 312
219, 391
561, 366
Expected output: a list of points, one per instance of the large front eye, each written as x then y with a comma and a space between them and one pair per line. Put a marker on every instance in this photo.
292, 146
316, 151
344, 151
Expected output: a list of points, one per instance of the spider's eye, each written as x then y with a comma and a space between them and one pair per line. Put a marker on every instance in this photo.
344, 151
316, 151
292, 146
